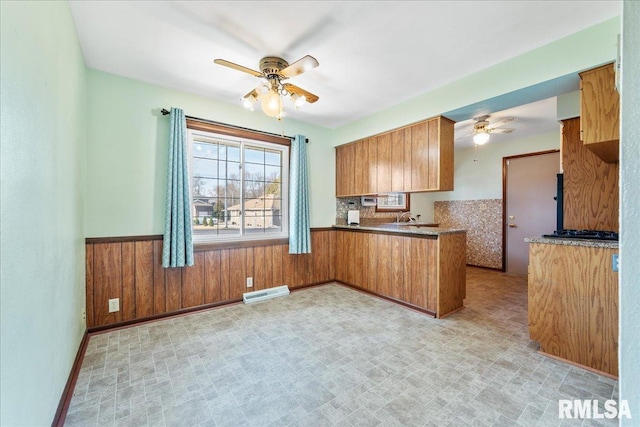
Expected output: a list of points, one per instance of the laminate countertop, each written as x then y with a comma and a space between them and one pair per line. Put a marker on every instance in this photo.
403, 228
590, 243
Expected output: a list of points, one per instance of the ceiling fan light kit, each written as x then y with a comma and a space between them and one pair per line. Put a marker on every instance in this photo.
481, 138
272, 91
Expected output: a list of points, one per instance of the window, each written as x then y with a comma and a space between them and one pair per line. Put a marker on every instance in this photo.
238, 188
392, 202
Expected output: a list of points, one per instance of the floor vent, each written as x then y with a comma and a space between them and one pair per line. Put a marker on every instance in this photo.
256, 296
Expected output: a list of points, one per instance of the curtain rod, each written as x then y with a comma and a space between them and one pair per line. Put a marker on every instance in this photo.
164, 112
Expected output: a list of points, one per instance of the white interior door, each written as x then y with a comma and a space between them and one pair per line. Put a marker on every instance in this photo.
530, 205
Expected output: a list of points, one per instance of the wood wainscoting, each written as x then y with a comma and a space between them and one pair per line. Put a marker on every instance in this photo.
130, 268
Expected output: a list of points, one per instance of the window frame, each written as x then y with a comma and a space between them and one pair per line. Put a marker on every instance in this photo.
242, 139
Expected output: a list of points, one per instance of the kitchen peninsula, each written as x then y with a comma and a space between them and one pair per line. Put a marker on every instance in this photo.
418, 266
573, 301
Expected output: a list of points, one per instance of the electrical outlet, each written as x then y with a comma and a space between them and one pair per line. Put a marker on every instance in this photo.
615, 262
83, 317
249, 282
114, 305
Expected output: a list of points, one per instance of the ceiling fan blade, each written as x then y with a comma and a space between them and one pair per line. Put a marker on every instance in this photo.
303, 64
253, 93
237, 67
311, 98
501, 122
502, 130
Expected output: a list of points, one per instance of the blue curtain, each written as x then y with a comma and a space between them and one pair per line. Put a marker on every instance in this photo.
177, 248
299, 230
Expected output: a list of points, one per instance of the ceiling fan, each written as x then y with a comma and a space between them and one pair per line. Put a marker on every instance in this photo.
482, 128
274, 71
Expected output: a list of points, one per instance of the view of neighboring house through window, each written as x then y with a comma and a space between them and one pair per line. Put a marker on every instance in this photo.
238, 188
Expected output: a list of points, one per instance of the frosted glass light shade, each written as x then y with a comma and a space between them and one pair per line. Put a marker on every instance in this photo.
481, 138
272, 104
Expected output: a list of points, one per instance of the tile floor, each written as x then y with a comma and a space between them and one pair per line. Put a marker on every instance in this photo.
332, 356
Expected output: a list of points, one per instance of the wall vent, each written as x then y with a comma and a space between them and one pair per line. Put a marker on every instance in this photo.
255, 296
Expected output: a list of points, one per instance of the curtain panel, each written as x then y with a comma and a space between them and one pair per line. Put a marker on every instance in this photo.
177, 248
299, 229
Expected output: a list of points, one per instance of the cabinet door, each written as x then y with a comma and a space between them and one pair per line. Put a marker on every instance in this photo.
420, 156
432, 155
445, 154
383, 144
345, 170
420, 272
396, 256
361, 167
398, 158
370, 255
600, 112
407, 159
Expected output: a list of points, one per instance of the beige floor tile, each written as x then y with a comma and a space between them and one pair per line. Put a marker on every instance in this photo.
332, 356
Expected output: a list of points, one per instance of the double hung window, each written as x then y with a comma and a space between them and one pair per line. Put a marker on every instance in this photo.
238, 188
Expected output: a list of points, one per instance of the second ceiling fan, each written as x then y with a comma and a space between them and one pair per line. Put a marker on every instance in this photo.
274, 71
482, 129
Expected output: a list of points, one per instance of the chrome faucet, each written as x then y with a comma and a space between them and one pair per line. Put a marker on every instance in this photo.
399, 216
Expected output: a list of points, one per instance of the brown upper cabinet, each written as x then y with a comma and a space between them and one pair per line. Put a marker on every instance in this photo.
600, 112
415, 158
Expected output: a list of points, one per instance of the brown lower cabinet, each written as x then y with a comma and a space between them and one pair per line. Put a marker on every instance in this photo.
573, 304
426, 272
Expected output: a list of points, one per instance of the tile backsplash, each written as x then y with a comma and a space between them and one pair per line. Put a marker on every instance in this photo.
368, 214
483, 221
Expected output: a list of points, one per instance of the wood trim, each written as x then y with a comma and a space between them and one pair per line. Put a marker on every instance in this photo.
322, 229
121, 239
67, 393
504, 198
235, 132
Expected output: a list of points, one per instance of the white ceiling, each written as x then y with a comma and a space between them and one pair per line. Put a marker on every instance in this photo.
372, 54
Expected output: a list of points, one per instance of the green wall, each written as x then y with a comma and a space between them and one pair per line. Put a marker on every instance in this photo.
127, 153
630, 213
43, 133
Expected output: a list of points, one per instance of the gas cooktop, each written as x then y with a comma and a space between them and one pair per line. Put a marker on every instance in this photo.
584, 234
